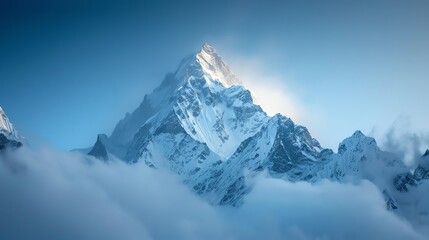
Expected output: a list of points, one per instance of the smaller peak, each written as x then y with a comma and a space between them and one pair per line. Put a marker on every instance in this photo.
207, 48
99, 149
281, 120
358, 134
359, 142
426, 153
279, 116
101, 136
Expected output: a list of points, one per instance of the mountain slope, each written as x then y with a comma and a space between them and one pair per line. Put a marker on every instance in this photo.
202, 125
205, 65
281, 148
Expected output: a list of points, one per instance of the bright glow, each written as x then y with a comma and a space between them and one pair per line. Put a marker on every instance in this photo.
267, 90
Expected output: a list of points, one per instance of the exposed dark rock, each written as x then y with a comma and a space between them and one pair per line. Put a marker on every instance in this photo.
99, 150
390, 202
7, 143
402, 182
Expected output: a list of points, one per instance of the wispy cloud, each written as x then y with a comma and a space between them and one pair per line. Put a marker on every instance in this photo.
401, 139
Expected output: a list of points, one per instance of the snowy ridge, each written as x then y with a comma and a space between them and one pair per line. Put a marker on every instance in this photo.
205, 65
358, 158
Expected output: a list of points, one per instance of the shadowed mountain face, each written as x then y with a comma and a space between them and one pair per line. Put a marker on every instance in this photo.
99, 150
406, 181
8, 143
202, 125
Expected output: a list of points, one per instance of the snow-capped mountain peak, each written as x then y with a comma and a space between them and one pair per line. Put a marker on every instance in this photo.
203, 72
214, 67
202, 125
358, 142
6, 127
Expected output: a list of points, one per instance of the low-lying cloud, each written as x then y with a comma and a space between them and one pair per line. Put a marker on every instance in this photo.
54, 195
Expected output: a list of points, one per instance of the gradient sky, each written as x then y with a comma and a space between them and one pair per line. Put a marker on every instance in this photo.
72, 69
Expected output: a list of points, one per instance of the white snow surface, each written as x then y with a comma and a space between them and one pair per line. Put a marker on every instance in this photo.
6, 127
205, 65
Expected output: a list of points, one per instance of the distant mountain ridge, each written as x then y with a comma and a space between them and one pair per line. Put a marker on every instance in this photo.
203, 125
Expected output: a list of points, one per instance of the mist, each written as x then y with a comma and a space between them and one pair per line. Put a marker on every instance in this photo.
47, 194
403, 140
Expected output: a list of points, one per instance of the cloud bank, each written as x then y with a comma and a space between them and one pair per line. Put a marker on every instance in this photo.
54, 195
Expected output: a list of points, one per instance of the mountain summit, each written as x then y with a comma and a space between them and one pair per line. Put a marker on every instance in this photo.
204, 67
213, 66
203, 125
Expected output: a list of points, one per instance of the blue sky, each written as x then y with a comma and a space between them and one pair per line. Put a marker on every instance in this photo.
72, 69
